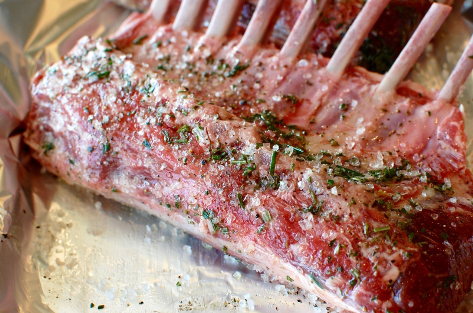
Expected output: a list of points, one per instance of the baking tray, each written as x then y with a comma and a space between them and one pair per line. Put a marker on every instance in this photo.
65, 249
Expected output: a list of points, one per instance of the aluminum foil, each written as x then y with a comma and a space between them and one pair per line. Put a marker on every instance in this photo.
64, 249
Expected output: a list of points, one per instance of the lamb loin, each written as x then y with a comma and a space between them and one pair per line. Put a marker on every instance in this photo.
380, 49
323, 176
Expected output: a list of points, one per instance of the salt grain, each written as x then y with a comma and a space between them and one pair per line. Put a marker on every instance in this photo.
237, 275
187, 249
302, 63
334, 191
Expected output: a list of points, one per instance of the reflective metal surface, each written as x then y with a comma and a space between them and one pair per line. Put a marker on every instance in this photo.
65, 249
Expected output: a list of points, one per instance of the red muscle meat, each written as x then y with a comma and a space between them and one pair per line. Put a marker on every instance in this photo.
361, 198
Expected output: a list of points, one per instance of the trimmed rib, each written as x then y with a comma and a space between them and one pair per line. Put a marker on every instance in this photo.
223, 18
187, 15
158, 9
303, 28
459, 75
259, 23
420, 39
355, 36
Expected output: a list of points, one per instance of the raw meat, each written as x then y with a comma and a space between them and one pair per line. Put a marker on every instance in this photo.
365, 202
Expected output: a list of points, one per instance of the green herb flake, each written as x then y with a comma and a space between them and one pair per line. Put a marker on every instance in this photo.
240, 200
316, 281
224, 248
332, 242
147, 144
183, 129
166, 136
381, 229
444, 236
330, 182
260, 100
139, 40
47, 146
267, 216
236, 69
105, 147
291, 98
356, 273
289, 279
247, 171
207, 214
273, 163
240, 162
178, 284
260, 229
347, 173
104, 74
177, 203
333, 142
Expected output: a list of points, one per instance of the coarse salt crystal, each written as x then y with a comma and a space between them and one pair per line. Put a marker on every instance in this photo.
187, 249
302, 63
237, 275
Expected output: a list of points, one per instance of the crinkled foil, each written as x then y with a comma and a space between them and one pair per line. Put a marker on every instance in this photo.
64, 249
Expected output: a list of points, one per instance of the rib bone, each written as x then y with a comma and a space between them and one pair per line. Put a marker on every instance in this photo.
187, 15
225, 13
158, 9
303, 28
416, 45
355, 36
259, 23
459, 75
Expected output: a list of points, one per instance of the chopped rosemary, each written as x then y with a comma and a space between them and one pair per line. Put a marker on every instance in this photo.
267, 216
377, 230
106, 147
273, 163
139, 40
47, 146
240, 200
316, 281
247, 171
147, 144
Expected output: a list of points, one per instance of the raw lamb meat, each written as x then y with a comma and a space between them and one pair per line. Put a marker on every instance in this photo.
349, 184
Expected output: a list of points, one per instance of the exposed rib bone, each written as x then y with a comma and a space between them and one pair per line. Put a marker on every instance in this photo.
187, 15
259, 23
355, 36
459, 75
416, 45
225, 13
303, 28
158, 9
